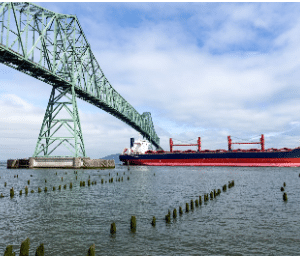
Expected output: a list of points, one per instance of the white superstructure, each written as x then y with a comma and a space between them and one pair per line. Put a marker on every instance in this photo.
139, 147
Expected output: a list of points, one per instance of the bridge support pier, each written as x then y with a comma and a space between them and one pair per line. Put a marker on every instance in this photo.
61, 125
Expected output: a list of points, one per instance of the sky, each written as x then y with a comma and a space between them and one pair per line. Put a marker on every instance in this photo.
204, 70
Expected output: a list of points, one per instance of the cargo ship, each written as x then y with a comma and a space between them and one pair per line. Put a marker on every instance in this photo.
139, 154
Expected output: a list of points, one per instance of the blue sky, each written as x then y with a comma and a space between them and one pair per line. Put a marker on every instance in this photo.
201, 69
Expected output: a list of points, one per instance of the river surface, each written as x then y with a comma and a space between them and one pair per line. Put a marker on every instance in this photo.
250, 218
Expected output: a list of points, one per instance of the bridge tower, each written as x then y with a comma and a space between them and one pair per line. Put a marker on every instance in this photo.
61, 102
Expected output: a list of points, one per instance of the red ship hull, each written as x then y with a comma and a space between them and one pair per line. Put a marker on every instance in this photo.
287, 162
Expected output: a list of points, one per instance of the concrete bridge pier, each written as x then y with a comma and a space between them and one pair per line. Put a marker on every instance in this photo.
70, 162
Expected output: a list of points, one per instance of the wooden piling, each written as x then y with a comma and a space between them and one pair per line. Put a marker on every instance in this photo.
24, 250
9, 251
192, 204
40, 251
187, 208
224, 188
39, 190
168, 218
113, 228
12, 192
133, 223
285, 197
174, 213
91, 251
26, 190
196, 203
153, 223
180, 210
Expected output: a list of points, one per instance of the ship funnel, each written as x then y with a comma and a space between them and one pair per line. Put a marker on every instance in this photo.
131, 142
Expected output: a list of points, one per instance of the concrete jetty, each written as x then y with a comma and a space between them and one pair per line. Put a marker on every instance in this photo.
69, 162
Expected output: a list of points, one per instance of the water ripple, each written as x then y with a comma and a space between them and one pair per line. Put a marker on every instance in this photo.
249, 219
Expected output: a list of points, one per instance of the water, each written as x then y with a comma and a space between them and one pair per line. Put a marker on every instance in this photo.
250, 218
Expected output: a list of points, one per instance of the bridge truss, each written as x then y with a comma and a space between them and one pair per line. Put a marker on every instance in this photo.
53, 48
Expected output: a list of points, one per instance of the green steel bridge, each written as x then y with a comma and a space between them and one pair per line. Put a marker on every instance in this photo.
53, 48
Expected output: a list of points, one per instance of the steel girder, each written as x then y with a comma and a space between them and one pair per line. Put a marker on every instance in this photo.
48, 140
53, 48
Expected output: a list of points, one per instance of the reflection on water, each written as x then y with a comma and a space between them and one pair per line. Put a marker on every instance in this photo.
248, 219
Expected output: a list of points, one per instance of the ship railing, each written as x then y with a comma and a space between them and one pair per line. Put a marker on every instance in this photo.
189, 151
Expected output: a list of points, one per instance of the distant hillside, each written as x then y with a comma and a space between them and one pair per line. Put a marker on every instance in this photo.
115, 157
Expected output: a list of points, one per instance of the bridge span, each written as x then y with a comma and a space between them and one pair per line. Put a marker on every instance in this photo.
53, 48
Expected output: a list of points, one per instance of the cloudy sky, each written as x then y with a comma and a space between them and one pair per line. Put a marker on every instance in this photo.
201, 69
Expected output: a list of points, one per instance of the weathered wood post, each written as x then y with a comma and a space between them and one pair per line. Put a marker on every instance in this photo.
113, 228
153, 223
91, 251
133, 223
9, 251
40, 251
24, 250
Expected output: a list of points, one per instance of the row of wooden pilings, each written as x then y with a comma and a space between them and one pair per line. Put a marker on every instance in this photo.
82, 184
197, 203
40, 251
